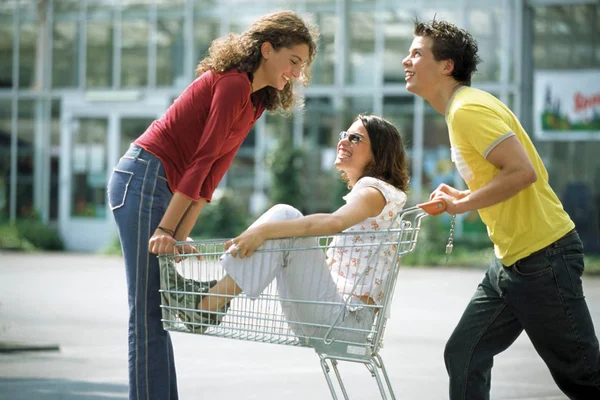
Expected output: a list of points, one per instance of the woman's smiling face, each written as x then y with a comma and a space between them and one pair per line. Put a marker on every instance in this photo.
354, 155
283, 65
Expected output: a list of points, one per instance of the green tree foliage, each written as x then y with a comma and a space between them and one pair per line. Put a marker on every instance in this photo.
29, 235
223, 218
339, 190
286, 164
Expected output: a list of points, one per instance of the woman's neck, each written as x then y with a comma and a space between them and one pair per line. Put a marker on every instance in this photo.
258, 80
352, 179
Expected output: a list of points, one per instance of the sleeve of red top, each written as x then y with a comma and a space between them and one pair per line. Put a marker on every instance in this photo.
216, 174
231, 93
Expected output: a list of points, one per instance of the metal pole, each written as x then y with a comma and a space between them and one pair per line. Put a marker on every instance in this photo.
82, 45
417, 156
152, 52
14, 118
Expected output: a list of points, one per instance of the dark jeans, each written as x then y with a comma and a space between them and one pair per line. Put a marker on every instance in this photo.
541, 294
138, 195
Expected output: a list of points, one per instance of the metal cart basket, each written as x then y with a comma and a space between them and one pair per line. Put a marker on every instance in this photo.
197, 266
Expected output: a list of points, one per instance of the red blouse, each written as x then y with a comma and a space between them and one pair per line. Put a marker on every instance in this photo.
202, 130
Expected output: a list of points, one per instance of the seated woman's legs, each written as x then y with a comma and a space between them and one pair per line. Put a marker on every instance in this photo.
311, 300
213, 296
219, 295
309, 296
253, 274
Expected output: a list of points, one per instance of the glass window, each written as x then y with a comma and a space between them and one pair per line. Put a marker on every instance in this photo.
66, 6
399, 110
362, 49
100, 52
398, 36
170, 8
352, 106
65, 53
451, 15
27, 54
240, 22
131, 129
241, 172
249, 142
134, 48
486, 28
279, 130
5, 140
319, 123
436, 130
200, 4
277, 126
597, 43
170, 44
88, 169
322, 69
437, 165
6, 47
575, 177
321, 179
564, 37
25, 159
54, 158
169, 52
206, 29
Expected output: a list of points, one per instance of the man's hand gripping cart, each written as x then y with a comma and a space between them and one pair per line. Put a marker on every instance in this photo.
307, 306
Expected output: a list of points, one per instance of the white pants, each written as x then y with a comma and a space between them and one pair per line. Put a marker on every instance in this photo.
302, 275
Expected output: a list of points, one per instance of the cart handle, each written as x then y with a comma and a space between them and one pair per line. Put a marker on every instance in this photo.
433, 207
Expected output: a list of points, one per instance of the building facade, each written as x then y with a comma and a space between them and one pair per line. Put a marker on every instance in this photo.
81, 79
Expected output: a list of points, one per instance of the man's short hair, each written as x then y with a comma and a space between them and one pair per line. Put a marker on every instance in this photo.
451, 43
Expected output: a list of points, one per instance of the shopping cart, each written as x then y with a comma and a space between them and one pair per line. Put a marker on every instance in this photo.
262, 318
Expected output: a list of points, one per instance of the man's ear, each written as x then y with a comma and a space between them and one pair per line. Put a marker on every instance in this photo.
266, 49
448, 67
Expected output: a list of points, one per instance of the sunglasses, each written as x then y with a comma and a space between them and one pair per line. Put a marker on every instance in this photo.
354, 138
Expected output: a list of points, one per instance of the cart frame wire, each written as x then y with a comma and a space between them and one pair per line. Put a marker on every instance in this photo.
262, 318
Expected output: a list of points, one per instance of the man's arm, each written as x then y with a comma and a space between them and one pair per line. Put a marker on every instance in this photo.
515, 173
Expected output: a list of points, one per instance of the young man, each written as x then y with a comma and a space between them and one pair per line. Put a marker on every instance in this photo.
534, 281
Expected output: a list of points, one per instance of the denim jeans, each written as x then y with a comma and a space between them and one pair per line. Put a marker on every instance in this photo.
542, 295
138, 195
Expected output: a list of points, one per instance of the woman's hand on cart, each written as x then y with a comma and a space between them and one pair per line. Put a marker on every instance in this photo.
246, 243
165, 244
161, 243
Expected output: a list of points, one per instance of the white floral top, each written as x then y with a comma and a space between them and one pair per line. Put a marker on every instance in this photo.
348, 263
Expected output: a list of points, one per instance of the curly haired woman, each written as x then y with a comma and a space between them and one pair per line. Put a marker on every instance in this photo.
162, 183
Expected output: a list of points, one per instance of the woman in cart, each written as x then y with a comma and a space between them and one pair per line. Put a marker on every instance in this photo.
373, 162
161, 184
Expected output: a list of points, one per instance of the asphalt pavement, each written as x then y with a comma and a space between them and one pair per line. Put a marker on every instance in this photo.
68, 312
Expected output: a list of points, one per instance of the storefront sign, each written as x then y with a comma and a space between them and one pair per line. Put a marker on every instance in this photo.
567, 105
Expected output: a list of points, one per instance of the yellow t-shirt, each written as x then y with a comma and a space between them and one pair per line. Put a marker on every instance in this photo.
527, 222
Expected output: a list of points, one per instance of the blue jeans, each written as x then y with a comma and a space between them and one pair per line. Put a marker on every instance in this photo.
138, 195
542, 295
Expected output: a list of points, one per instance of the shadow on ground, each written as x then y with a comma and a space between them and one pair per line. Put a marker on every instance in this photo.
55, 389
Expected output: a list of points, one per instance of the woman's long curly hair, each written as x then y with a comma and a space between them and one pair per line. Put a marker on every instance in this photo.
281, 29
389, 156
